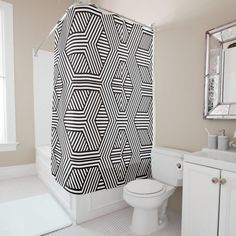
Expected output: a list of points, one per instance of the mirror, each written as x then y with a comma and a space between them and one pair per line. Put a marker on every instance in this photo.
220, 73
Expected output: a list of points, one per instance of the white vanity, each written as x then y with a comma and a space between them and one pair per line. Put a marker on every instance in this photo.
209, 193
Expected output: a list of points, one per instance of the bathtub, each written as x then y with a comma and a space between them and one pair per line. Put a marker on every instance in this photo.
80, 207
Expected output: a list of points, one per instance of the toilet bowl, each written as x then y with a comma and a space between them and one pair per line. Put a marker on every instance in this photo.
149, 197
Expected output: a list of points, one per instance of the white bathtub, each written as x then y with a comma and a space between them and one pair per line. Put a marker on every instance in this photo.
80, 207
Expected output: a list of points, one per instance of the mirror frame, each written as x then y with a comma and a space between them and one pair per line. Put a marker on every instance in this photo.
214, 108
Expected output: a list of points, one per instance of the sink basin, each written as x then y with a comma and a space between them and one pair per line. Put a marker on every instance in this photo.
225, 160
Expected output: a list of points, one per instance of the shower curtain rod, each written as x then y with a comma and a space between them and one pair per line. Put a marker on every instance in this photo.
103, 9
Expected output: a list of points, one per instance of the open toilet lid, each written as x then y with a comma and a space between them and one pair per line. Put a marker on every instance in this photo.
144, 186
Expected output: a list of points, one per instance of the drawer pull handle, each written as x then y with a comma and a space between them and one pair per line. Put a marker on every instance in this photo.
222, 181
215, 180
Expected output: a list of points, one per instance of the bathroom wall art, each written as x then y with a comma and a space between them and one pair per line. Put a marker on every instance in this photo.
102, 100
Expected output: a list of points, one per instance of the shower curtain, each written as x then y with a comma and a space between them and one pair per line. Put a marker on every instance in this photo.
102, 101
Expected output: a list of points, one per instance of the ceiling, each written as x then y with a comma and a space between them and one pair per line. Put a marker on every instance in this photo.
164, 12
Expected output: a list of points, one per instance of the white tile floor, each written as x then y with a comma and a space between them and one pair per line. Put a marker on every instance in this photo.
115, 224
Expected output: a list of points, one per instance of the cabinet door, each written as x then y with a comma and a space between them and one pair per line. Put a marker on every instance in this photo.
227, 225
200, 201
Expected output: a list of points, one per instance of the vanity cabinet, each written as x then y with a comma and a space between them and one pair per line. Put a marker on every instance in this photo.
209, 201
227, 206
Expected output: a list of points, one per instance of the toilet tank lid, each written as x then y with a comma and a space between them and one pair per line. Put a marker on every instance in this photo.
169, 151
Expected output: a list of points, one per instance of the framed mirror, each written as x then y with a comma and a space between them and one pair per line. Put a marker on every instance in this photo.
220, 73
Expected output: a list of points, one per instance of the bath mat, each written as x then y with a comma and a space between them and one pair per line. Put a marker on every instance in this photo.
32, 216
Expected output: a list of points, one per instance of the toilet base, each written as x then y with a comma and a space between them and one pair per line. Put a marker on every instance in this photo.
145, 221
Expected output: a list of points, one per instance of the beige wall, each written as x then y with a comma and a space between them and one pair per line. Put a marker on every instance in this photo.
180, 86
179, 89
33, 19
179, 67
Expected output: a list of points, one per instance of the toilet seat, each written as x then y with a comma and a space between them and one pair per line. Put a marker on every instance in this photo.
145, 188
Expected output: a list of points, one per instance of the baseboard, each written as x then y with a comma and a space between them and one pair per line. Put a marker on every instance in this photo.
11, 172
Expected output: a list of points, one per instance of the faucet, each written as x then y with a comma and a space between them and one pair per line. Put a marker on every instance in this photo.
233, 142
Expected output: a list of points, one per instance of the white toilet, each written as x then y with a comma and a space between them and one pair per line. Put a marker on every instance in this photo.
149, 197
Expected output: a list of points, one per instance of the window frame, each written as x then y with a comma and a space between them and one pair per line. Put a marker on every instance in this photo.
10, 134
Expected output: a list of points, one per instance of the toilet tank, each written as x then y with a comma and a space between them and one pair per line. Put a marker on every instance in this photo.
167, 165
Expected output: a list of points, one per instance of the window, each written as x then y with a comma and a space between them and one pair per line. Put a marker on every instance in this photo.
7, 92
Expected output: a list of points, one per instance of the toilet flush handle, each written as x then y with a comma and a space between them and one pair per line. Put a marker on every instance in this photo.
178, 165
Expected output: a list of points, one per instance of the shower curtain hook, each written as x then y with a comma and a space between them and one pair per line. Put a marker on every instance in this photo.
82, 2
153, 26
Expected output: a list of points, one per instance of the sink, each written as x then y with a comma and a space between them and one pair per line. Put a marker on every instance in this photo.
225, 160
229, 156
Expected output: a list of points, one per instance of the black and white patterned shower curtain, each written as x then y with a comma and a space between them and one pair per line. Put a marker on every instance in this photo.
102, 101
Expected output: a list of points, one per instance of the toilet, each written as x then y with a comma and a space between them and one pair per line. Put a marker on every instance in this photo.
149, 197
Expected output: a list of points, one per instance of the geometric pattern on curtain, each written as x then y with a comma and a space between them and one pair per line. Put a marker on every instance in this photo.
102, 122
